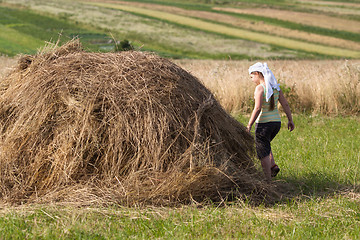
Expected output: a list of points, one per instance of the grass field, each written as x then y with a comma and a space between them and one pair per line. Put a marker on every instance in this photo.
319, 161
12, 42
253, 24
235, 32
98, 24
211, 32
24, 31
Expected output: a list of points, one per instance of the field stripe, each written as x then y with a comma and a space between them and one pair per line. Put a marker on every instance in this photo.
304, 18
13, 42
235, 32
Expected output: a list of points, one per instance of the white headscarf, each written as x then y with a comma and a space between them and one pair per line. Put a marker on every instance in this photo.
270, 80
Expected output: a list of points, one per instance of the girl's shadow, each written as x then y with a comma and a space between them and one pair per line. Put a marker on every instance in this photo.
310, 186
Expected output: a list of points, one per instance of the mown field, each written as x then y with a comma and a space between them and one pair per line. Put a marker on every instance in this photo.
194, 29
319, 179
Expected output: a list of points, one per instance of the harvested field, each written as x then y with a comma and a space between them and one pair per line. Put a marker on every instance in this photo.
164, 37
161, 28
127, 128
247, 24
302, 18
235, 32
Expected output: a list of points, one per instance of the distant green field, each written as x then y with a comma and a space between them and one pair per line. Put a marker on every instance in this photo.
178, 35
23, 31
13, 42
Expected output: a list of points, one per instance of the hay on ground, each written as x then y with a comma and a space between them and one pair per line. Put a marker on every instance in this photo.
128, 128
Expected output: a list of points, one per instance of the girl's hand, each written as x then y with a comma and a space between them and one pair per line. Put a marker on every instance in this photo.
248, 128
291, 125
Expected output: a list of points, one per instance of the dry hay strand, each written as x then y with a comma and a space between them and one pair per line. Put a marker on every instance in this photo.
127, 128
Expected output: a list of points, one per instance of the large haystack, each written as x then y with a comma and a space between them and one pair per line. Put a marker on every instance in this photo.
126, 128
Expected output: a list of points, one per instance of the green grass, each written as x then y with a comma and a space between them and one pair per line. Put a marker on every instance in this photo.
13, 42
23, 31
335, 218
319, 161
322, 153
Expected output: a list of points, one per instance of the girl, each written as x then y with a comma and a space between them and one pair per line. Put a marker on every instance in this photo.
266, 115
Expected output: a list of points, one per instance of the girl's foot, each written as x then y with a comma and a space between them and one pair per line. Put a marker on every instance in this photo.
275, 170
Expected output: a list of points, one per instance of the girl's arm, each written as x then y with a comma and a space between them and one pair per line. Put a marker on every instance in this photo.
287, 110
259, 90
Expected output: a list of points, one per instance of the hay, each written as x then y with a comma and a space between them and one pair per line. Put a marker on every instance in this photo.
127, 128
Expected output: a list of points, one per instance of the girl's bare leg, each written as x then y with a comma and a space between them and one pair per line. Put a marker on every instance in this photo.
272, 160
276, 170
266, 165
